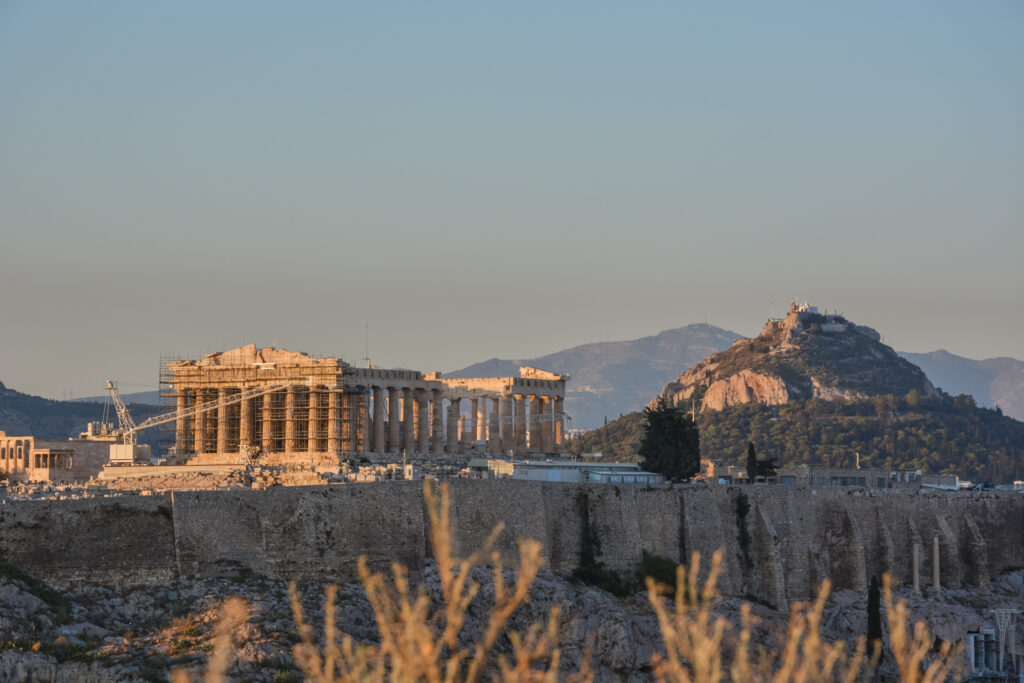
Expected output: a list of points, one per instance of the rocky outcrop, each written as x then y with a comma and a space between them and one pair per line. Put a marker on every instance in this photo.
744, 387
804, 355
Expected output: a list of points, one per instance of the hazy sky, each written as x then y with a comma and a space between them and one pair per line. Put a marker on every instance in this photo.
475, 181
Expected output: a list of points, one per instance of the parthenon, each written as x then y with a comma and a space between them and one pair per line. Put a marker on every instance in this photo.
288, 408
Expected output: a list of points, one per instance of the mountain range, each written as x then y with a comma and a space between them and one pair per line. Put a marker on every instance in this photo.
613, 378
992, 382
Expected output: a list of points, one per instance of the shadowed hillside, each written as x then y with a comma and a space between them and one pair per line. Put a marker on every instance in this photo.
992, 382
942, 434
43, 418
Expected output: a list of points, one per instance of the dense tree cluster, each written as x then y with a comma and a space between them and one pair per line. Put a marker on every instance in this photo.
942, 434
670, 444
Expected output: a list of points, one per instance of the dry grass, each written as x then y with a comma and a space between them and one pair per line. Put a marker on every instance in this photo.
695, 640
425, 640
234, 613
910, 649
696, 647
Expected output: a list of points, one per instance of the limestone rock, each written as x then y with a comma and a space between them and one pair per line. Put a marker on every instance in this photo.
805, 355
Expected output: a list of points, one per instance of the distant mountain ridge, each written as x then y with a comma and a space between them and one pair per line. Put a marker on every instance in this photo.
148, 398
613, 378
24, 414
992, 382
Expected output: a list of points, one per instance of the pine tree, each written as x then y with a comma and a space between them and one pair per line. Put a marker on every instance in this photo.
670, 444
751, 461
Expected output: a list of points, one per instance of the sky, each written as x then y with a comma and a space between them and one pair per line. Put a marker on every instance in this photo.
442, 183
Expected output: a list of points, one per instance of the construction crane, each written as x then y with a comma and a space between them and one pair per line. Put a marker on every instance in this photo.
128, 450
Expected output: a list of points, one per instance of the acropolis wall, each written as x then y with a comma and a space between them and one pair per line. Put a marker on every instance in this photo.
779, 544
282, 407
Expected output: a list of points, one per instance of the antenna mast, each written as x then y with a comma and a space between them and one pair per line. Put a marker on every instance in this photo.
366, 345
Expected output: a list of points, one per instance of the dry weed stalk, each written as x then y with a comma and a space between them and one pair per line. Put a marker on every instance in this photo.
909, 650
234, 613
694, 638
419, 641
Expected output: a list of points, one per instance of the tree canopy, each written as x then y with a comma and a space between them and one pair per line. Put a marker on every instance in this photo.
670, 444
943, 434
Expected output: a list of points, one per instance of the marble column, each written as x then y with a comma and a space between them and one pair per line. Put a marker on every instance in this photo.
407, 422
333, 424
394, 419
289, 419
464, 439
917, 568
313, 422
547, 426
495, 445
423, 429
503, 408
181, 424
378, 421
534, 439
245, 425
222, 420
473, 421
453, 430
559, 425
348, 423
519, 424
480, 408
364, 422
437, 423
202, 422
267, 437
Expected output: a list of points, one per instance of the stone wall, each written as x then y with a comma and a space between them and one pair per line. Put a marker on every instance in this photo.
779, 542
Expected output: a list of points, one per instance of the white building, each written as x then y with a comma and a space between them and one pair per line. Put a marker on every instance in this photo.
572, 471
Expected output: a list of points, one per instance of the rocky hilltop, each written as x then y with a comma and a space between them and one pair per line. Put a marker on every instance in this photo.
807, 354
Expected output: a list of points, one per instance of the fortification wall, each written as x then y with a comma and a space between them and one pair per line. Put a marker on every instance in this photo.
779, 542
126, 541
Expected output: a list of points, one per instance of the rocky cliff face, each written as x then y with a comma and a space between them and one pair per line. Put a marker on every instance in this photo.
804, 355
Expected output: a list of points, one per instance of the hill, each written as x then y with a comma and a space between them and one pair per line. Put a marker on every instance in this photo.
612, 378
805, 355
992, 382
817, 388
938, 434
23, 414
148, 398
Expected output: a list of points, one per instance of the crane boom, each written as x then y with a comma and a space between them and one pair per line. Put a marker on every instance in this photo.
124, 418
129, 429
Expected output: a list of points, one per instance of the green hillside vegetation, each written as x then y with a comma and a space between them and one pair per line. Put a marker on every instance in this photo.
24, 414
943, 434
